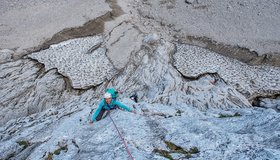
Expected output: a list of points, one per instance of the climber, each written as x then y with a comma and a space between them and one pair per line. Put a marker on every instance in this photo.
109, 102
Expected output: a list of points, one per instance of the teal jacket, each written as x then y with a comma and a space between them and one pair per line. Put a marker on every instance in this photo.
106, 106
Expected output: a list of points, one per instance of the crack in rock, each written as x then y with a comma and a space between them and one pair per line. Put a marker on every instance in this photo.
123, 40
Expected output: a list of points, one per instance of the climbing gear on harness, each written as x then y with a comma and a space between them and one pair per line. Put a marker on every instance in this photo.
121, 137
134, 97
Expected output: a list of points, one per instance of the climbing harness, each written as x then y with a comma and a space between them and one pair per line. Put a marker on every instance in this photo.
121, 137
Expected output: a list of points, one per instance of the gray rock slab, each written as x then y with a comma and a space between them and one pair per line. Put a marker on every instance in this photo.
150, 74
122, 41
26, 89
251, 81
76, 60
26, 24
247, 136
6, 55
252, 24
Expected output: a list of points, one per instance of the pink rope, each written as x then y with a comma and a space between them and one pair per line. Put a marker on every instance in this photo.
122, 138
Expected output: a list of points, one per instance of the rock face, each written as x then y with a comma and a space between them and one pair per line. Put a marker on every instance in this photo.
27, 24
246, 136
251, 81
226, 21
192, 102
26, 89
270, 103
152, 66
76, 59
124, 40
6, 55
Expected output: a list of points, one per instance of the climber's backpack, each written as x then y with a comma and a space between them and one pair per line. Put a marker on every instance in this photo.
113, 92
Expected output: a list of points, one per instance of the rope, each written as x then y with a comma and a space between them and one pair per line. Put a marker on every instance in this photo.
121, 138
